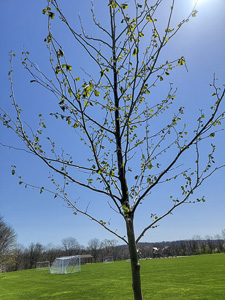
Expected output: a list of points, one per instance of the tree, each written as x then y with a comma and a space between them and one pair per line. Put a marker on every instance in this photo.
109, 248
132, 141
7, 237
94, 246
33, 254
70, 246
7, 243
19, 257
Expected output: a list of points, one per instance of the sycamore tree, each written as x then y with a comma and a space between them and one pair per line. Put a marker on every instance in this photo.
133, 137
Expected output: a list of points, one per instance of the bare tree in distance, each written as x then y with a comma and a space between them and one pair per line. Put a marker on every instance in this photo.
109, 248
33, 253
132, 141
7, 237
70, 245
94, 246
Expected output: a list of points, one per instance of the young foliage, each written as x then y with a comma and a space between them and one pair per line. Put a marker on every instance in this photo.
134, 142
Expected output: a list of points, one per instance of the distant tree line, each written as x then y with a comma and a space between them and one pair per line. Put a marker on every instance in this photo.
15, 257
194, 246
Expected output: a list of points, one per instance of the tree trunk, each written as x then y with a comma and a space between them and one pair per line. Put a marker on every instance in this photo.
135, 267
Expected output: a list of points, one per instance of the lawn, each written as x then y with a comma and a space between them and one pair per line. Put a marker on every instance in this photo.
195, 277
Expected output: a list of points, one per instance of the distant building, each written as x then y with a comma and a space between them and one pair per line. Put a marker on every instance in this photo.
86, 259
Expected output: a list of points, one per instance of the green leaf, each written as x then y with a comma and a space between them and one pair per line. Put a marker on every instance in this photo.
51, 15
68, 68
13, 172
111, 172
102, 222
125, 209
58, 70
194, 13
149, 19
97, 93
113, 4
141, 34
68, 120
150, 166
61, 52
70, 91
49, 38
124, 6
135, 51
149, 180
212, 134
181, 61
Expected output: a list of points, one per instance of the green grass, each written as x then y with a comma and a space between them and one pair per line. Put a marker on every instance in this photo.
195, 277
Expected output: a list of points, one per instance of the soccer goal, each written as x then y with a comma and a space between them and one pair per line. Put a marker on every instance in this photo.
42, 265
66, 265
108, 259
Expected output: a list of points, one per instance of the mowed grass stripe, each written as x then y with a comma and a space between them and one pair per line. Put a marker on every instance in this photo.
195, 277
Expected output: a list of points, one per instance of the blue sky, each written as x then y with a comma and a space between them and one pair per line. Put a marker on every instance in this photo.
41, 218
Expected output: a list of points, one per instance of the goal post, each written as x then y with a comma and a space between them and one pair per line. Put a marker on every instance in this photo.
42, 265
66, 265
108, 259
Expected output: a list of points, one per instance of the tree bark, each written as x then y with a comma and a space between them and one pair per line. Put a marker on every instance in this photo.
135, 266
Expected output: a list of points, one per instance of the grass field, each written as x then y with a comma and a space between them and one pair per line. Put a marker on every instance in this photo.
195, 277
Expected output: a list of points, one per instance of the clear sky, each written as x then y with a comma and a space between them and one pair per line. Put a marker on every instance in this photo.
41, 218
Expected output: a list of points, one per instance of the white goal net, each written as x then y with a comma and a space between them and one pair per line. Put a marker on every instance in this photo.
108, 259
66, 265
